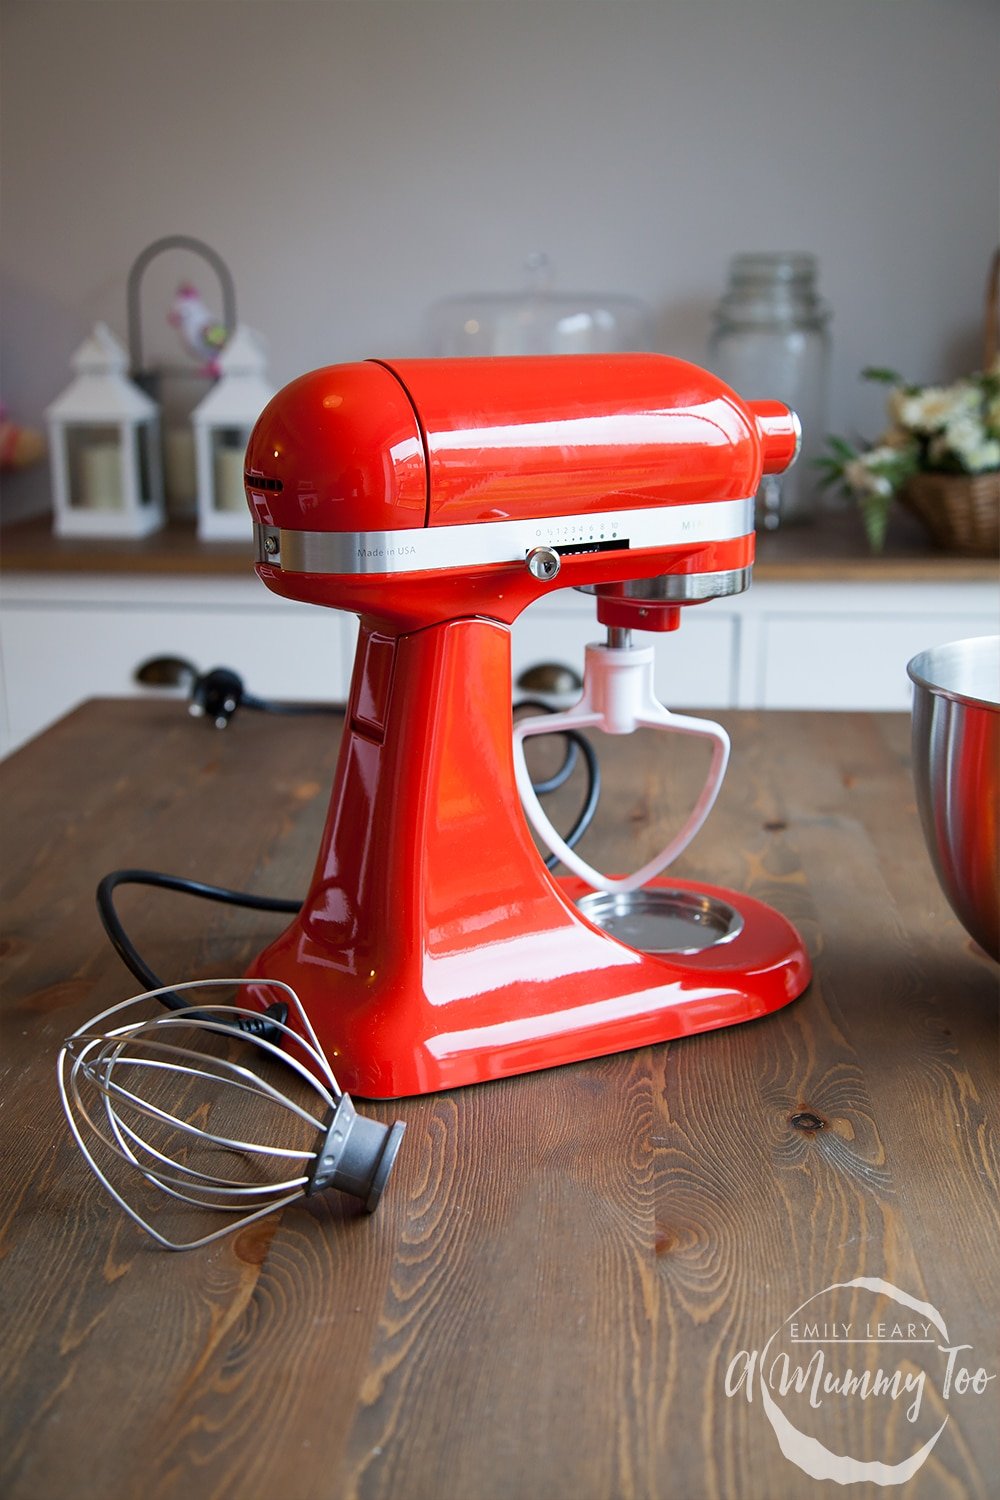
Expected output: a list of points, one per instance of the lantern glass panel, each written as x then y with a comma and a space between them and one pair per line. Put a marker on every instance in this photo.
94, 456
229, 445
148, 457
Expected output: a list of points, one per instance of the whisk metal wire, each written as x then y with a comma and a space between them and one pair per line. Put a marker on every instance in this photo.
100, 1068
95, 1056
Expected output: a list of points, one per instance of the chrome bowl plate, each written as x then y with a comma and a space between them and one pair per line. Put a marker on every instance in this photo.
657, 919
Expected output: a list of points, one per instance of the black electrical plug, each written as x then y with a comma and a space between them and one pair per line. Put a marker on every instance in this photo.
217, 695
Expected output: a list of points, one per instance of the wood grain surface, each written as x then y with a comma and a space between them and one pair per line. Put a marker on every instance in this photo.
565, 1265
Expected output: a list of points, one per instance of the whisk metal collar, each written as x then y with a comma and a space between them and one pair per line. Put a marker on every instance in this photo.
356, 1154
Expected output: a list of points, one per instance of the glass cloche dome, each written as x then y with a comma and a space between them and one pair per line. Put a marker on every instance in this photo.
539, 320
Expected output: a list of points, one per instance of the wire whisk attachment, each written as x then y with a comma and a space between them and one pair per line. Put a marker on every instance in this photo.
196, 1118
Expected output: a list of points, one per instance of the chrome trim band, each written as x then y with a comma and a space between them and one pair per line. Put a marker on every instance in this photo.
482, 543
675, 588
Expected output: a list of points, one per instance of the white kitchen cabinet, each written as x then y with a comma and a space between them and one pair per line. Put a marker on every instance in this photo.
845, 645
65, 637
784, 644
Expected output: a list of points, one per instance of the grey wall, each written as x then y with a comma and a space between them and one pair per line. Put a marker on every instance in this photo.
353, 160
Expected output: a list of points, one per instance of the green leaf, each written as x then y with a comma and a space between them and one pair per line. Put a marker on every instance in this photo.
841, 448
882, 374
875, 516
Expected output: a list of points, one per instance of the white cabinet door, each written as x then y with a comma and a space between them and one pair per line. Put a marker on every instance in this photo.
825, 661
846, 646
57, 654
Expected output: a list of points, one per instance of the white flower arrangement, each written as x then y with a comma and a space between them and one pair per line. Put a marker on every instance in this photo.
951, 429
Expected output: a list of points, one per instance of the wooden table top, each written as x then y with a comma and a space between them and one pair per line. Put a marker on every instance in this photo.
832, 550
567, 1267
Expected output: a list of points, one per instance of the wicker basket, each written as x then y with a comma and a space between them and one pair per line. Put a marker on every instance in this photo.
961, 511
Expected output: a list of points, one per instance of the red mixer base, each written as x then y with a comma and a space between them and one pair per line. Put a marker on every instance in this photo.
537, 1001
434, 948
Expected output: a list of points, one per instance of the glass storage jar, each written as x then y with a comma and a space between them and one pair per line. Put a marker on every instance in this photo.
771, 339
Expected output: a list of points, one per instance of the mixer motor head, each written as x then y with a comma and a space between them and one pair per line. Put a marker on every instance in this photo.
416, 491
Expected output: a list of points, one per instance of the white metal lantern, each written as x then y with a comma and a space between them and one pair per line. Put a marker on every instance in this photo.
104, 447
222, 425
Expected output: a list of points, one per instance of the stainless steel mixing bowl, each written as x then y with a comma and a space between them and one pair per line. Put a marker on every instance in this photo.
956, 766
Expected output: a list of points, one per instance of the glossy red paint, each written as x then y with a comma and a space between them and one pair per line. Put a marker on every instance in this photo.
780, 434
334, 446
433, 948
384, 446
637, 614
554, 435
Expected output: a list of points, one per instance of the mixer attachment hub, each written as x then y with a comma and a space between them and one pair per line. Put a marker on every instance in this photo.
356, 1154
618, 697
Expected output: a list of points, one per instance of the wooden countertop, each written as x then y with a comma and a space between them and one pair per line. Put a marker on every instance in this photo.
834, 549
566, 1265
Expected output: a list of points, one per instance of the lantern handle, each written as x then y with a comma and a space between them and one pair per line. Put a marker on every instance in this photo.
135, 275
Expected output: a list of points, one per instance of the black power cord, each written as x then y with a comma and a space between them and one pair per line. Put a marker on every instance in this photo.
565, 771
219, 693
133, 960
575, 744
586, 813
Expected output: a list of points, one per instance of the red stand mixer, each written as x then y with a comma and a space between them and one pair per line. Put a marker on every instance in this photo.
437, 499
